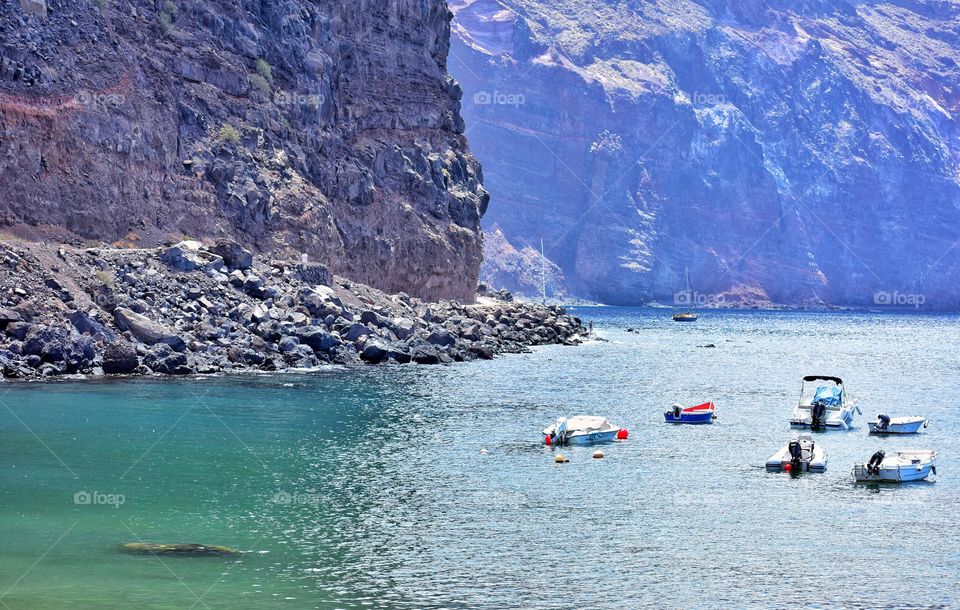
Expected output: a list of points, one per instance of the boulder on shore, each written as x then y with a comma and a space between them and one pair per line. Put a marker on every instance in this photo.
120, 358
146, 330
233, 254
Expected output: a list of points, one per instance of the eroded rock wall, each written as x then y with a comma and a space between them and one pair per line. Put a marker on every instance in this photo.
325, 128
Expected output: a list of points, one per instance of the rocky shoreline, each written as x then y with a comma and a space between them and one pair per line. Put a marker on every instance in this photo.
194, 308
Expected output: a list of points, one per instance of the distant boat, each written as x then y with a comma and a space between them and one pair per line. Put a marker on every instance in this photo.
912, 465
700, 414
827, 408
686, 316
885, 424
799, 455
581, 430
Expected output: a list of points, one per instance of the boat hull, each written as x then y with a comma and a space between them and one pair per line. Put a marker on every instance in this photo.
893, 475
589, 438
899, 427
834, 421
811, 466
905, 465
815, 462
705, 417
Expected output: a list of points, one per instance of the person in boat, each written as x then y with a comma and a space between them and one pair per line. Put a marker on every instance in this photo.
873, 466
883, 421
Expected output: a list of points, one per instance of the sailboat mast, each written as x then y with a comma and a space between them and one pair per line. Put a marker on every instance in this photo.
543, 274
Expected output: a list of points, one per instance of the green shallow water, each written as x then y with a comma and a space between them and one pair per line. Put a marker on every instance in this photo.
367, 488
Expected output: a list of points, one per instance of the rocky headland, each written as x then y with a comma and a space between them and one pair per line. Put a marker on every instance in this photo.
194, 308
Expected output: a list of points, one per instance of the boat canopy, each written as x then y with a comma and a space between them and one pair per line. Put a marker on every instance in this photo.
581, 423
835, 380
830, 395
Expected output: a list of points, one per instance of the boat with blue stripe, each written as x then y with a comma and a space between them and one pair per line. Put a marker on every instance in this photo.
700, 414
582, 430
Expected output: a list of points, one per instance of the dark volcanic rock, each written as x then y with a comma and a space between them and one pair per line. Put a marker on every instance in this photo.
374, 351
162, 359
60, 347
318, 338
7, 316
233, 254
120, 358
18, 330
425, 355
442, 337
313, 274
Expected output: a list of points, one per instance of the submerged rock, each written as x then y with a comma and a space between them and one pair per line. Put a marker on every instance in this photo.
190, 549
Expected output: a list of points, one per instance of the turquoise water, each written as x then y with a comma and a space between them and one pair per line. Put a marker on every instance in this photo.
366, 488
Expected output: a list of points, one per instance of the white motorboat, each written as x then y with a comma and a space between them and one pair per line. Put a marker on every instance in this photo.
905, 465
582, 429
799, 455
885, 424
826, 407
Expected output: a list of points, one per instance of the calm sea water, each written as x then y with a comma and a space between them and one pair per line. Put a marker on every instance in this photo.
367, 488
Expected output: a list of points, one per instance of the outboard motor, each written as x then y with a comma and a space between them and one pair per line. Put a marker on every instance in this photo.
796, 453
561, 431
873, 466
817, 411
884, 421
677, 410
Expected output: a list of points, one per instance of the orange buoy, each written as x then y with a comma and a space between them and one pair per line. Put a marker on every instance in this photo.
788, 467
622, 434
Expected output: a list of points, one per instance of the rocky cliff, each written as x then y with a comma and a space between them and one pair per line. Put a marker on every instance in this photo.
788, 152
325, 128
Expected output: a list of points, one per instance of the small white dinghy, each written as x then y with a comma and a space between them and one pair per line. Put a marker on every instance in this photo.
906, 465
799, 455
885, 424
581, 430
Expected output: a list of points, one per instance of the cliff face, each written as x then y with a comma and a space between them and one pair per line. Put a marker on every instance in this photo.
331, 129
801, 153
